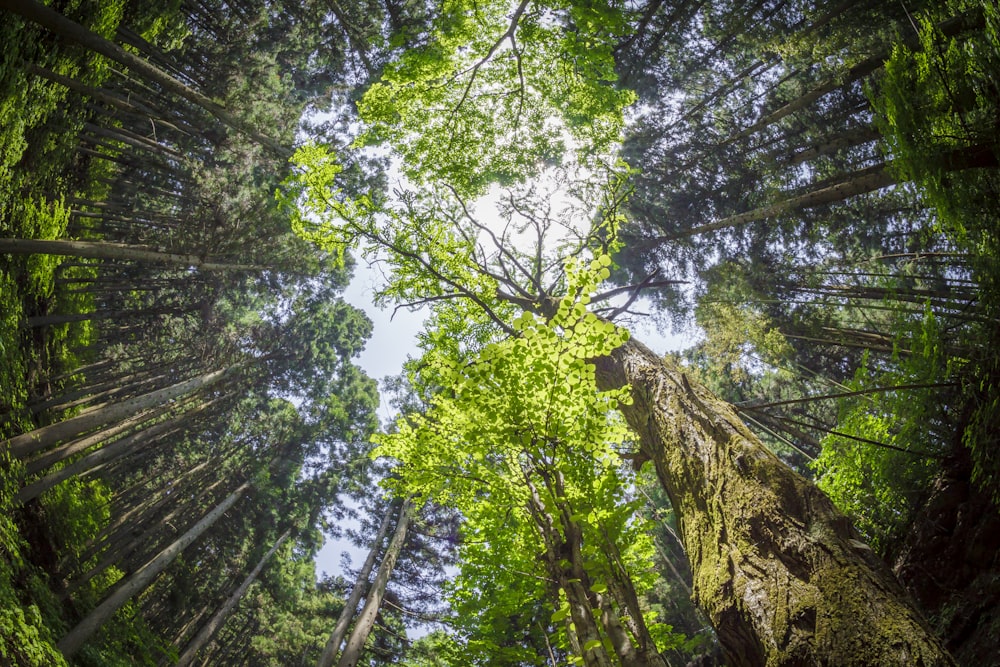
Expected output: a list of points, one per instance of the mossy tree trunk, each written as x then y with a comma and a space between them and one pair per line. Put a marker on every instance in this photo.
778, 569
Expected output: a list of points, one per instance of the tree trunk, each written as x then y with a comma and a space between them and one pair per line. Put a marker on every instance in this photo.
778, 569
138, 581
144, 438
105, 250
360, 586
565, 565
67, 29
366, 619
67, 450
220, 616
44, 437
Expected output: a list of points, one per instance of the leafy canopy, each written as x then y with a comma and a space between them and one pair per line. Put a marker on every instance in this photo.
497, 92
518, 424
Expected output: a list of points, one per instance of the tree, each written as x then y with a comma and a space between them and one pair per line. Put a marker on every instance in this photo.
365, 620
74, 639
731, 493
537, 486
358, 590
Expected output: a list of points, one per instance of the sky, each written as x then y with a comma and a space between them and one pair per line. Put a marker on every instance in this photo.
393, 339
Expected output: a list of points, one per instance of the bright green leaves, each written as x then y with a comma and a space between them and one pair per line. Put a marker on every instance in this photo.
427, 255
505, 422
322, 214
500, 92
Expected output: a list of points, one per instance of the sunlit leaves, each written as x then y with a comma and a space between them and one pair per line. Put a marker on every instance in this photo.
500, 92
517, 408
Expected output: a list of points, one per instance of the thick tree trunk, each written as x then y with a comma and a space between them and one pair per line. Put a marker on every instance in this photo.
778, 569
138, 581
366, 619
220, 616
360, 586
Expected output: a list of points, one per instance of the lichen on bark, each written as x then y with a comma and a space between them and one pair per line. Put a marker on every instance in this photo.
779, 570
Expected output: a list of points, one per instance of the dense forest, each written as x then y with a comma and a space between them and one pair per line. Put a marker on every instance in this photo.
807, 188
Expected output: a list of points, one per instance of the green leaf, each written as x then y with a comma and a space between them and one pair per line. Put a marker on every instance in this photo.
560, 613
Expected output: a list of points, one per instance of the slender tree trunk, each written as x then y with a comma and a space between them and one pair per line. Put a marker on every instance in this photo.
67, 450
45, 437
138, 581
360, 586
778, 569
67, 29
954, 26
145, 438
366, 619
220, 616
562, 544
125, 104
105, 250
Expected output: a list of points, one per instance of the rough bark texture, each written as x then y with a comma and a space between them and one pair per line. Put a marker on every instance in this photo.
777, 568
950, 562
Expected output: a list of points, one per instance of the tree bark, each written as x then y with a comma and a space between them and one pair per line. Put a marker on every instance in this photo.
138, 581
105, 250
366, 619
220, 616
67, 29
778, 569
360, 586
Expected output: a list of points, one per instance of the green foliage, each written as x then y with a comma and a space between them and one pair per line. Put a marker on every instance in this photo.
937, 107
25, 638
495, 96
507, 419
883, 455
125, 641
78, 509
437, 649
294, 615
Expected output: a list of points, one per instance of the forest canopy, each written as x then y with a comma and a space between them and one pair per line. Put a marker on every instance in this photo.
808, 189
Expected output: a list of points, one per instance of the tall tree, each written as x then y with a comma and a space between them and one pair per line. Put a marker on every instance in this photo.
365, 620
358, 591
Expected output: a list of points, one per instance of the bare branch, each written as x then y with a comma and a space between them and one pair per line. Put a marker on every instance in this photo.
645, 284
508, 34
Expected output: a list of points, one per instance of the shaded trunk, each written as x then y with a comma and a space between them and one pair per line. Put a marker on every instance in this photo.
105, 250
137, 582
366, 619
45, 437
147, 437
778, 569
360, 586
220, 616
67, 29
